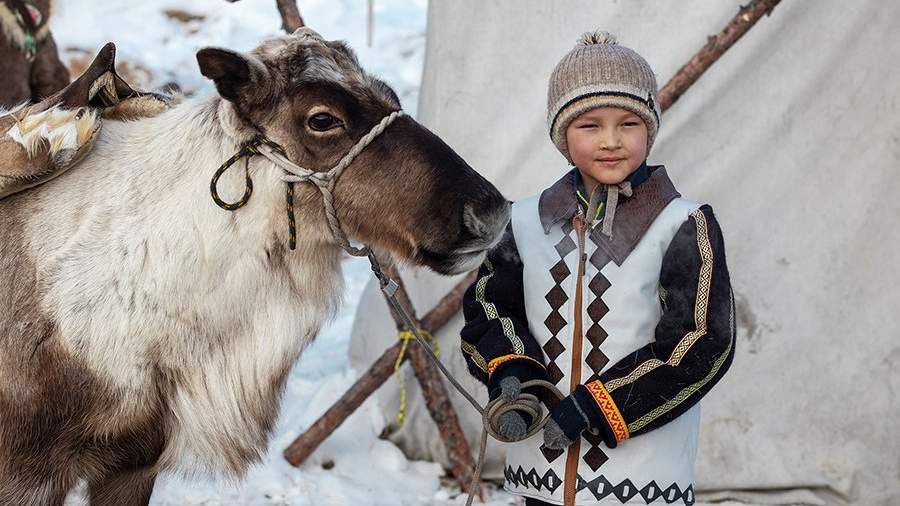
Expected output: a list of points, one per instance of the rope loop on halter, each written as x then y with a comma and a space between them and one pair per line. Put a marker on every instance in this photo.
324, 181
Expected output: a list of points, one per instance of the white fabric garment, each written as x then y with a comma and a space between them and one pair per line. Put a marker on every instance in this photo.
793, 138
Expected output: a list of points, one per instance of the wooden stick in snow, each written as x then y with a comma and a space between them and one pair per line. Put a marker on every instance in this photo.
437, 398
372, 379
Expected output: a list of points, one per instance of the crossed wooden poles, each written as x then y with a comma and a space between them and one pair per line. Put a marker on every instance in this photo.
433, 388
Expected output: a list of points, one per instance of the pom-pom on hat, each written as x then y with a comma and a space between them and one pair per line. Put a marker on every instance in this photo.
598, 72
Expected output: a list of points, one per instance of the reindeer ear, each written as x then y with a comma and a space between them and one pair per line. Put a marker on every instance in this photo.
232, 71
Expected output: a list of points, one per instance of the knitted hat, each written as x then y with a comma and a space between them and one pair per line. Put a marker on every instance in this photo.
598, 72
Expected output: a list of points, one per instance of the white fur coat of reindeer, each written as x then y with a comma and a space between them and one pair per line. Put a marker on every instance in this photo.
146, 329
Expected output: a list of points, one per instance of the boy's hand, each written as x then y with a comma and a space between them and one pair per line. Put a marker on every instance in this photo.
567, 421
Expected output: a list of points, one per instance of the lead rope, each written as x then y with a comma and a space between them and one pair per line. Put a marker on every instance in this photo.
325, 181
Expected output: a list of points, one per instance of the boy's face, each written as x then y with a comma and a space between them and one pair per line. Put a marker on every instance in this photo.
607, 144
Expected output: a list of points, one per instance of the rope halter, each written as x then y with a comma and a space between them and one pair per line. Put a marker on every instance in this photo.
324, 181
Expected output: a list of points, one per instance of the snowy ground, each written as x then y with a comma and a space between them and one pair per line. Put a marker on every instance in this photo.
354, 466
157, 39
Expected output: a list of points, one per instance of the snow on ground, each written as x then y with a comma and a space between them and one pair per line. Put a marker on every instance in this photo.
158, 39
353, 466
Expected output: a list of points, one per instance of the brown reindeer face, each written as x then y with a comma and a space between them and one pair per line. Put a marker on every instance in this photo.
407, 192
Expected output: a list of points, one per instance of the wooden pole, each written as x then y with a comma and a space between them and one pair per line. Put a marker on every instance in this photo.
437, 399
290, 15
715, 47
374, 377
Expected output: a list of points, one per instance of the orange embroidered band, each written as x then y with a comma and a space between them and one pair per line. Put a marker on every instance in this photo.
494, 364
610, 410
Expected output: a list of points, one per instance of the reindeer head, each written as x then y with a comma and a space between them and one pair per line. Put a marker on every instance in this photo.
407, 192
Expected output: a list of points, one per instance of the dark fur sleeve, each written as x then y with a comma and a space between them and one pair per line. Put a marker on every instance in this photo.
48, 73
496, 341
694, 339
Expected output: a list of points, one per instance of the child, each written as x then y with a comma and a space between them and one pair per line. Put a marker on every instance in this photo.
614, 288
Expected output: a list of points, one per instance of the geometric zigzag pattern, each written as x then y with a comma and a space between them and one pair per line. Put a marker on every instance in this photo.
556, 298
596, 360
601, 488
549, 481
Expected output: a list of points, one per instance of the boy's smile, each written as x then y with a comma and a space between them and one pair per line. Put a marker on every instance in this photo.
607, 144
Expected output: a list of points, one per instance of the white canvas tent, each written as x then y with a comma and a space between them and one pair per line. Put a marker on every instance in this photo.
793, 137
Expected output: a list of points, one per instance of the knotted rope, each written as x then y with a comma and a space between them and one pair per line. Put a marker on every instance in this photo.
325, 181
405, 336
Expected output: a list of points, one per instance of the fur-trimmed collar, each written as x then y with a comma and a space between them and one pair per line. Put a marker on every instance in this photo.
633, 216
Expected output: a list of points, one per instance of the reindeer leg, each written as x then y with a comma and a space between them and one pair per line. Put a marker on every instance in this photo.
130, 488
30, 490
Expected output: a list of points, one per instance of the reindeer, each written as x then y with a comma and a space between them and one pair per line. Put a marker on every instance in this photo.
143, 328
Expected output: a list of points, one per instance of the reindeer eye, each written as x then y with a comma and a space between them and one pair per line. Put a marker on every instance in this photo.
323, 121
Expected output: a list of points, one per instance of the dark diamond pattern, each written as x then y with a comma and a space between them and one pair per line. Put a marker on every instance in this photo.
559, 272
600, 487
651, 492
597, 309
551, 454
551, 481
596, 335
595, 458
672, 494
553, 348
555, 322
625, 490
565, 246
554, 374
556, 297
596, 360
599, 283
532, 479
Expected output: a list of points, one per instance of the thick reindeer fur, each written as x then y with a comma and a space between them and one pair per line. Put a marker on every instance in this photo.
143, 328
135, 283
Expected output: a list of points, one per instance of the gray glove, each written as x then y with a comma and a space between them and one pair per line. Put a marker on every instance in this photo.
512, 425
554, 437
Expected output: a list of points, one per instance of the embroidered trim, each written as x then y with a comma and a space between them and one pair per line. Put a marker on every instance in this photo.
495, 363
609, 409
682, 395
490, 311
472, 351
700, 311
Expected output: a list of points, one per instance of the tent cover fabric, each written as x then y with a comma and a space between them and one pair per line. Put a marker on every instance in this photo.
793, 138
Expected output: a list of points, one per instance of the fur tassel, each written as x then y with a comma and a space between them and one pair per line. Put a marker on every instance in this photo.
597, 37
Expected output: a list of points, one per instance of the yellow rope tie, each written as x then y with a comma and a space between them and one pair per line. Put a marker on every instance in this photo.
406, 336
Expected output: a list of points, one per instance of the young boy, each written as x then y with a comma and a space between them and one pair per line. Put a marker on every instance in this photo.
614, 288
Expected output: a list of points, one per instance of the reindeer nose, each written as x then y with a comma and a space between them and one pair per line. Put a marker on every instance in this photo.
486, 219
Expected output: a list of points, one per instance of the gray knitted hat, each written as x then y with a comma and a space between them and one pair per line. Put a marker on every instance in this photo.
598, 72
